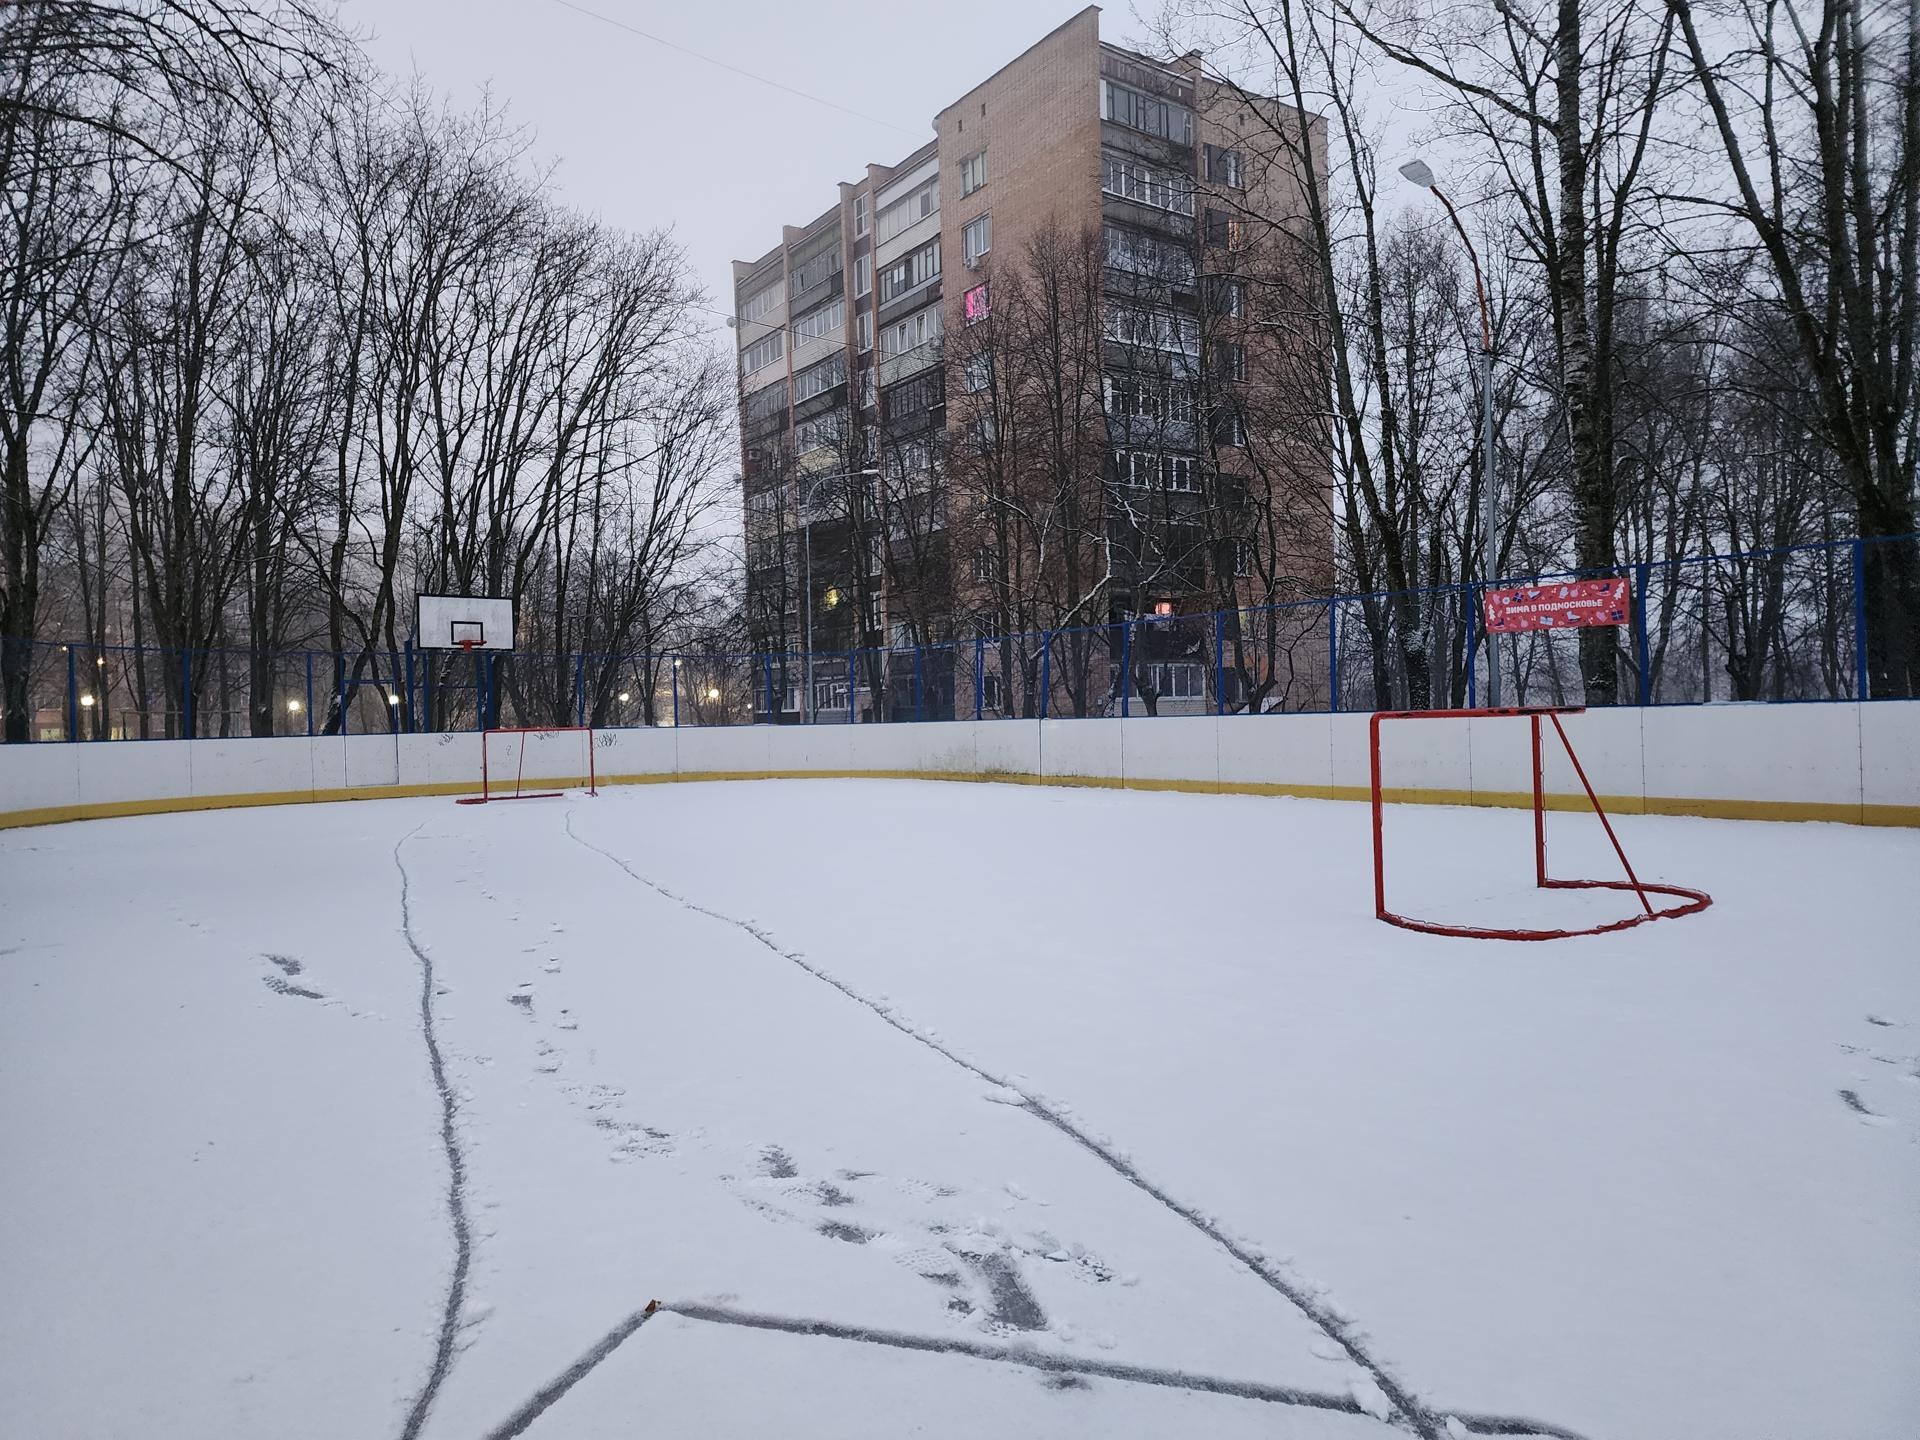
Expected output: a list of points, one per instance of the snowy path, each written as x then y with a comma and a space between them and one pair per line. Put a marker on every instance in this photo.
949, 1107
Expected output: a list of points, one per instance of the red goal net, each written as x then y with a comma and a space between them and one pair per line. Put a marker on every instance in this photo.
1644, 891
534, 762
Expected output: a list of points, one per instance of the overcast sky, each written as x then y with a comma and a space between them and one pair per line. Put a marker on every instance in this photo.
648, 136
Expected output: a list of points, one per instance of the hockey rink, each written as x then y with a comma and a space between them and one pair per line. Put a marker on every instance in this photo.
950, 1110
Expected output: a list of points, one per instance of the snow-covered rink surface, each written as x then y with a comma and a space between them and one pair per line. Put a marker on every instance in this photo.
949, 1110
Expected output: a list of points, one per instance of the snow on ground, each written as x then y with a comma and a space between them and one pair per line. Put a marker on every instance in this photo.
944, 1110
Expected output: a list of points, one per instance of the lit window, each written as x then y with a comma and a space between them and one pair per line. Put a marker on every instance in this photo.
977, 238
977, 303
973, 173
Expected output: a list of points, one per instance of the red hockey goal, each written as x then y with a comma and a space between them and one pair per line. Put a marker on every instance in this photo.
1690, 900
560, 757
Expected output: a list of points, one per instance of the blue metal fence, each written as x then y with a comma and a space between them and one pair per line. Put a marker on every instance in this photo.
1786, 624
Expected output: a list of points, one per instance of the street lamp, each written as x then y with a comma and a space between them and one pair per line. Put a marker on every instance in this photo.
806, 524
293, 707
1421, 174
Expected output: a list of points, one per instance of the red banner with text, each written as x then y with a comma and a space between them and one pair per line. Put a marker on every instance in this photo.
1567, 605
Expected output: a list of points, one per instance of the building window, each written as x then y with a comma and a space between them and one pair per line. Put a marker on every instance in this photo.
818, 379
863, 331
869, 391
1126, 179
1175, 680
911, 333
1148, 114
990, 691
816, 324
1160, 401
1152, 256
815, 434
861, 218
978, 373
1146, 469
762, 352
1219, 227
1228, 429
1233, 362
863, 276
817, 269
977, 239
973, 173
906, 212
1223, 168
1229, 296
905, 276
984, 568
761, 301
1172, 331
976, 303
763, 403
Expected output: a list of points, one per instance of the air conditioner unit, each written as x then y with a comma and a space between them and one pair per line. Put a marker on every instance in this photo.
972, 262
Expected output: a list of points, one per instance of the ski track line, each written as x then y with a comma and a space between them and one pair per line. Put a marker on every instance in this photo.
1424, 1423
456, 1165
710, 1314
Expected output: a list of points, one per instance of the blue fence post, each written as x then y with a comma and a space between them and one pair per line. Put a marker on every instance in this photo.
673, 665
73, 697
1473, 639
309, 694
1861, 689
1642, 650
979, 675
1219, 662
919, 686
340, 660
1126, 667
186, 694
1333, 659
1046, 670
483, 712
580, 688
766, 676
411, 719
853, 685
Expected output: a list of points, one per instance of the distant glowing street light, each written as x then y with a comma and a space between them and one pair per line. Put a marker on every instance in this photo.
99, 659
624, 697
713, 692
392, 699
86, 702
293, 707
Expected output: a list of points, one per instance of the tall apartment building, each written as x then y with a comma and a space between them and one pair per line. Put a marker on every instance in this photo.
1027, 383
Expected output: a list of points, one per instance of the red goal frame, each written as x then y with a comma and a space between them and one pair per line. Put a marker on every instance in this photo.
487, 794
1692, 900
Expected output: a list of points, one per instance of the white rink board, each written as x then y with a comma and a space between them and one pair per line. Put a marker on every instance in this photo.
1763, 762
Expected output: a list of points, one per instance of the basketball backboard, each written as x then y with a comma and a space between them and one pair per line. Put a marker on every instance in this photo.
463, 622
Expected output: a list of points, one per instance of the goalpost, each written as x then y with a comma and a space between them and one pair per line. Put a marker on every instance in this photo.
1691, 900
562, 760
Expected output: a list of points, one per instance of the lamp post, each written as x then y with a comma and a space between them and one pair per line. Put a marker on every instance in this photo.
1421, 174
807, 484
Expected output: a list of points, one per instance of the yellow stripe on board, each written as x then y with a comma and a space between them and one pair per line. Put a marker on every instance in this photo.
1854, 814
